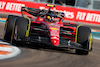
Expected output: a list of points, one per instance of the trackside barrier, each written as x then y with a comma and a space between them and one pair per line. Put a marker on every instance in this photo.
71, 13
96, 35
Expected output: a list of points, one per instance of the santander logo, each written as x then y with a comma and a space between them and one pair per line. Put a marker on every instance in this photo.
68, 14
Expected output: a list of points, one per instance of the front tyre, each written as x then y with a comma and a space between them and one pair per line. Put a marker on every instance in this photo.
20, 30
9, 27
84, 37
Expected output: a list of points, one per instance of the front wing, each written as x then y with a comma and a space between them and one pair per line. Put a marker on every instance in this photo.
44, 40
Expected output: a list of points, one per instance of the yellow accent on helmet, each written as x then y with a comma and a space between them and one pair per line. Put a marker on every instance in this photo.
50, 5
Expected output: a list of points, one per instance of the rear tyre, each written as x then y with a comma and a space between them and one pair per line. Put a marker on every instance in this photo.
84, 37
21, 26
9, 27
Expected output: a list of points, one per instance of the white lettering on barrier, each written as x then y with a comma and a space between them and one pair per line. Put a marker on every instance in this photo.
93, 17
68, 14
2, 5
14, 6
81, 15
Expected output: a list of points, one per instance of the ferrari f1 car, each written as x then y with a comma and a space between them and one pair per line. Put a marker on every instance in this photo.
48, 28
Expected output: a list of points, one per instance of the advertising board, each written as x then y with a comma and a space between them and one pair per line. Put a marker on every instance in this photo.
71, 13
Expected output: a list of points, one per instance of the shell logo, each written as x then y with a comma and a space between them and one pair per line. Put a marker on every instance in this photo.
55, 41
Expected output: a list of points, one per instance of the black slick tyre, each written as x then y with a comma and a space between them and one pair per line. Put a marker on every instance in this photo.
84, 38
21, 26
9, 27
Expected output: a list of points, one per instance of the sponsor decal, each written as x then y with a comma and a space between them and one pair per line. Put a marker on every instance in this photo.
14, 6
93, 17
53, 28
78, 15
55, 38
54, 25
11, 6
68, 14
2, 4
54, 32
54, 41
71, 13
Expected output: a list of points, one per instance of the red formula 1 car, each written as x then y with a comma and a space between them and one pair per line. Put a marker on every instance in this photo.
48, 28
